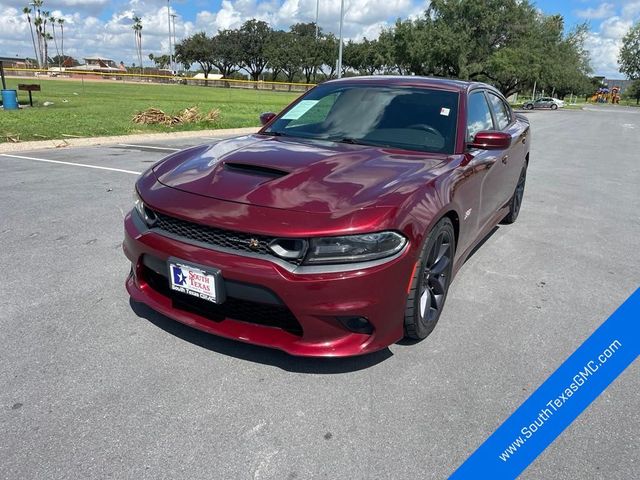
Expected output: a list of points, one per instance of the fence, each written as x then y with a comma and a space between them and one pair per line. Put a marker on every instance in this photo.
160, 79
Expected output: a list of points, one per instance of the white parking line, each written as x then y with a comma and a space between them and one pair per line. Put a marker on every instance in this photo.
69, 163
168, 149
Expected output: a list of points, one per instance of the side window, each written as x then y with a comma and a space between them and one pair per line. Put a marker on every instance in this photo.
501, 111
478, 115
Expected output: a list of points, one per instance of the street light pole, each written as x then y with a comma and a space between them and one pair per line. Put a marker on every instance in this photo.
340, 35
173, 21
317, 12
169, 25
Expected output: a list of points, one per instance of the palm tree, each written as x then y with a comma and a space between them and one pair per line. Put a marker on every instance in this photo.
137, 30
53, 20
27, 12
45, 37
61, 23
37, 22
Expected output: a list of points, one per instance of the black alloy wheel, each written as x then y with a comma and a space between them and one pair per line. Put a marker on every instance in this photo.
516, 200
430, 282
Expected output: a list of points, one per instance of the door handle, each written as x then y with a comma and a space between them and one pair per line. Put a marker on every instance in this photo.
505, 159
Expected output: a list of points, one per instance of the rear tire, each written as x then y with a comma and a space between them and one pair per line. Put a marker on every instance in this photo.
430, 282
516, 200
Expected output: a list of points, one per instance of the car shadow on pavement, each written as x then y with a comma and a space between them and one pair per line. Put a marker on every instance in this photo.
254, 353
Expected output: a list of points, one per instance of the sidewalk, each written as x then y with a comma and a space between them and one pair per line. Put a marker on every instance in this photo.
142, 137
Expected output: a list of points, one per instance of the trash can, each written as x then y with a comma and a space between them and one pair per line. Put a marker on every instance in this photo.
10, 99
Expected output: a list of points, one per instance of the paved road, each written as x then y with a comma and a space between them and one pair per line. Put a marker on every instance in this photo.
91, 387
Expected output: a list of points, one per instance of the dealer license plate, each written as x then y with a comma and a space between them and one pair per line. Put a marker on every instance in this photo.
193, 281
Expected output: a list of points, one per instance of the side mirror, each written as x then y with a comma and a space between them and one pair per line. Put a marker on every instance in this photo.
266, 117
491, 140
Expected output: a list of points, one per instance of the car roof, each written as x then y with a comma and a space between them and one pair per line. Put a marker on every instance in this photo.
414, 80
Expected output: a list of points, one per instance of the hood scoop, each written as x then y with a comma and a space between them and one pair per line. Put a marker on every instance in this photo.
251, 169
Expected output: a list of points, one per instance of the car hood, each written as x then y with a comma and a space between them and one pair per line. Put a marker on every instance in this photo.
298, 174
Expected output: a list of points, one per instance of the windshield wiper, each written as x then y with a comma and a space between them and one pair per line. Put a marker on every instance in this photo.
275, 134
358, 141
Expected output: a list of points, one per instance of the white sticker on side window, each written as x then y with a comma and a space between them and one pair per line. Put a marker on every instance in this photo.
444, 111
300, 109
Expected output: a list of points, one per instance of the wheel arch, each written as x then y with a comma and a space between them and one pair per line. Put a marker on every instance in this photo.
455, 220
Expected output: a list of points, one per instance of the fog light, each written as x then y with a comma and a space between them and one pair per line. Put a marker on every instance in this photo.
356, 324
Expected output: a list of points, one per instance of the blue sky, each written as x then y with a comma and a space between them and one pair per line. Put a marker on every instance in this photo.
103, 27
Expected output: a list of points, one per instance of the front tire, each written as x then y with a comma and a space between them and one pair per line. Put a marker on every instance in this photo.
430, 282
554, 107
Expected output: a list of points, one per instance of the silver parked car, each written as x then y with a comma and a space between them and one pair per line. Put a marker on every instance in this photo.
544, 102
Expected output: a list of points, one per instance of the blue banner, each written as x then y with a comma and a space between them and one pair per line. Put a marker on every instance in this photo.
560, 399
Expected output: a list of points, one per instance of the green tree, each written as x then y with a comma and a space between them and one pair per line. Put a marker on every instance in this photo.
504, 42
629, 58
464, 34
405, 48
351, 57
196, 49
634, 91
253, 36
283, 52
160, 61
307, 46
328, 49
226, 54
568, 66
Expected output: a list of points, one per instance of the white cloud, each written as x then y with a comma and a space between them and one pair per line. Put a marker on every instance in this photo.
604, 44
93, 7
604, 54
603, 10
631, 10
615, 27
88, 31
87, 35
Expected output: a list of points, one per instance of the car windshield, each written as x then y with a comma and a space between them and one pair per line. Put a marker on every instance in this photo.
409, 118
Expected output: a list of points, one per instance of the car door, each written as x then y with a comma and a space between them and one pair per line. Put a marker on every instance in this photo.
487, 164
513, 158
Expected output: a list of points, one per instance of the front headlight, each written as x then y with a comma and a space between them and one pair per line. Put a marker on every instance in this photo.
138, 203
354, 248
145, 213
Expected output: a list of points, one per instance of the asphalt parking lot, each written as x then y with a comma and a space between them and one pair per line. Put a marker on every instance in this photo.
94, 387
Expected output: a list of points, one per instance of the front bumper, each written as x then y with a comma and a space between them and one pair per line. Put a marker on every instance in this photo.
316, 300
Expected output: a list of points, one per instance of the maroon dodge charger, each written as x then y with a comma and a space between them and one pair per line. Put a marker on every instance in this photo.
336, 229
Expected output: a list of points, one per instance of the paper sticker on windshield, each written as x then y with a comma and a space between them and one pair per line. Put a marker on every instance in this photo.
444, 111
300, 109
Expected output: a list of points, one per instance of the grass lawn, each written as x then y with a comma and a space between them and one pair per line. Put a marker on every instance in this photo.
105, 108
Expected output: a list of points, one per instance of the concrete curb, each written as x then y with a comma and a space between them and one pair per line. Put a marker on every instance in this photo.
141, 137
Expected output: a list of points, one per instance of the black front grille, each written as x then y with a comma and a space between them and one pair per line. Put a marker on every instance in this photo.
277, 316
217, 237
